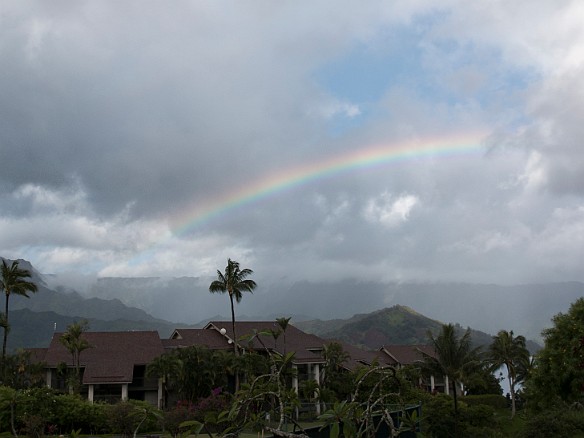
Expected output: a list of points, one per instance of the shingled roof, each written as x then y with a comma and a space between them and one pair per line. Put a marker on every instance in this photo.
112, 355
407, 354
186, 337
307, 347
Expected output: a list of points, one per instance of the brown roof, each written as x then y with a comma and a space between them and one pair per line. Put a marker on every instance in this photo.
407, 354
187, 337
359, 357
112, 355
307, 347
37, 355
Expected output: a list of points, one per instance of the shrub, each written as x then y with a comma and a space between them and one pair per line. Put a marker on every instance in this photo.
494, 400
439, 420
170, 420
75, 413
559, 423
207, 410
127, 416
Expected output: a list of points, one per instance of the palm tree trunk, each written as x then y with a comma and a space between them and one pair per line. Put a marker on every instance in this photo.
5, 330
235, 350
512, 389
455, 408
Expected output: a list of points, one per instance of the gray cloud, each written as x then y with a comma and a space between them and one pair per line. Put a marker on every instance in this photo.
119, 121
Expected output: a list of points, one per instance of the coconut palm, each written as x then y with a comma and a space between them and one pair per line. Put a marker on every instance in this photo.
510, 351
75, 344
283, 324
454, 357
234, 281
165, 367
13, 280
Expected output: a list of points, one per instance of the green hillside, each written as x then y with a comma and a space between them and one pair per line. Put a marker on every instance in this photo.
394, 325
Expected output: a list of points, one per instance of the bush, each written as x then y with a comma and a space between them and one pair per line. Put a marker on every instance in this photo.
73, 413
127, 416
439, 420
557, 423
493, 400
171, 419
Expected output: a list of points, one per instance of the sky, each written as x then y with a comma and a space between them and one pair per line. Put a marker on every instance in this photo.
320, 141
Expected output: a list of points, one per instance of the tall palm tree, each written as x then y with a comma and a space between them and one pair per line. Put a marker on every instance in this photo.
510, 351
165, 367
234, 281
454, 357
13, 280
283, 324
75, 344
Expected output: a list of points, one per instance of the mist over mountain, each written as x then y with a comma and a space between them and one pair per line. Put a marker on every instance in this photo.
525, 309
396, 325
366, 314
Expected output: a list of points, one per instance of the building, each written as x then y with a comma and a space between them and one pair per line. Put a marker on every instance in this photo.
114, 367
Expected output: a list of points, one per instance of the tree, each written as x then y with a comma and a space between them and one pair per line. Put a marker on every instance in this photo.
75, 344
234, 281
509, 351
283, 324
13, 280
557, 377
454, 357
337, 382
165, 367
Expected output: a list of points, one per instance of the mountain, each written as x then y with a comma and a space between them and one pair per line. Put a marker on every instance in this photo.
526, 309
70, 303
34, 320
398, 325
30, 329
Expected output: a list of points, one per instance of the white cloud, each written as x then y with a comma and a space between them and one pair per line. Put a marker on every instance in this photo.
388, 210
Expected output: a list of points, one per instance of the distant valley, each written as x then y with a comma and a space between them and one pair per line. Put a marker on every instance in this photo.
365, 314
525, 309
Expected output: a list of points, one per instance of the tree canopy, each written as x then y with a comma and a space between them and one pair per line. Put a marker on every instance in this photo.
558, 374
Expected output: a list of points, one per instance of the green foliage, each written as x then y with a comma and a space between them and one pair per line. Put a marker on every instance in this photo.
127, 417
13, 280
557, 378
194, 372
71, 412
454, 357
482, 381
493, 400
341, 419
233, 282
375, 388
20, 372
191, 427
337, 382
509, 351
440, 421
557, 423
75, 344
263, 398
172, 420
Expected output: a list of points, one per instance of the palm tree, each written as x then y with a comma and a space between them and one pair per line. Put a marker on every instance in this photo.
75, 344
234, 281
511, 352
165, 367
454, 357
13, 280
283, 324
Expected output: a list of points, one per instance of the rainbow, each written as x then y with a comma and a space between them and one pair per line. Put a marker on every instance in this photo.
359, 159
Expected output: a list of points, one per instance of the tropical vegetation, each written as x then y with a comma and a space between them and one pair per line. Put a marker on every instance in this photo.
13, 281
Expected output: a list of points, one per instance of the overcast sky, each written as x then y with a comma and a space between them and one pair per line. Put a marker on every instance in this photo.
143, 138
